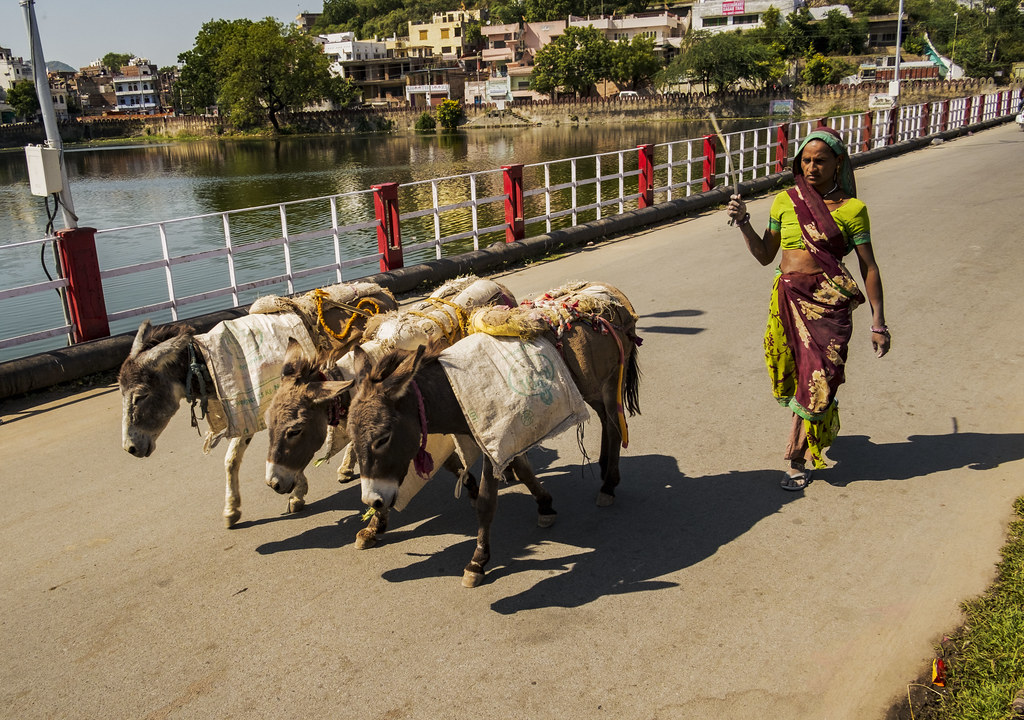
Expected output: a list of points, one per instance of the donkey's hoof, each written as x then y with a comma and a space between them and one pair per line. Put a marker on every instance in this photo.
365, 539
472, 579
231, 517
296, 504
605, 500
347, 476
546, 521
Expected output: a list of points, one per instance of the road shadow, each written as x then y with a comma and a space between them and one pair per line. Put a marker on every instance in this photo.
858, 459
662, 522
669, 329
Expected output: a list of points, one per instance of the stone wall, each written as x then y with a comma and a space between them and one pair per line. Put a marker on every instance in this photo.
808, 102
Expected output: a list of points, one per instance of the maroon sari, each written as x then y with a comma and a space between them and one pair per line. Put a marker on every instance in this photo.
816, 314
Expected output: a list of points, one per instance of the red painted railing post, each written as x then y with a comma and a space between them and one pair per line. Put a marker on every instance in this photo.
926, 118
894, 122
710, 146
646, 158
869, 129
822, 123
515, 225
389, 231
781, 147
944, 121
967, 111
999, 103
88, 310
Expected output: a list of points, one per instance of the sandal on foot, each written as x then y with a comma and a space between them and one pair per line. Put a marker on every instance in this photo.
796, 482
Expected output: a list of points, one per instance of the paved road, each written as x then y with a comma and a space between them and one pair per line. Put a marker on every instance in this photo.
705, 592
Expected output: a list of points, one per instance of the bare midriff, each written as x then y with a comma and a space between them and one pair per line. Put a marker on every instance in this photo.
798, 260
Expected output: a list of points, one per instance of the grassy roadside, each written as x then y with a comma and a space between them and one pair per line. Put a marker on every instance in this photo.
984, 658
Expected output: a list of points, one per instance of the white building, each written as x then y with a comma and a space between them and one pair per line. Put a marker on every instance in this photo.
661, 26
12, 69
344, 48
137, 88
720, 15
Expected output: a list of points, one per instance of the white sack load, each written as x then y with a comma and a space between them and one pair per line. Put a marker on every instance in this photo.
514, 393
245, 357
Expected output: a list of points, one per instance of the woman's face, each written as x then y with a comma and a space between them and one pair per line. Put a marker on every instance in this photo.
819, 165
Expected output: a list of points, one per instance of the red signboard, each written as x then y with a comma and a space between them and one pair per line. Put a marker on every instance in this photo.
732, 7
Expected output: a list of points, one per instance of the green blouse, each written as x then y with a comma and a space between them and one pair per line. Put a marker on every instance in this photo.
851, 217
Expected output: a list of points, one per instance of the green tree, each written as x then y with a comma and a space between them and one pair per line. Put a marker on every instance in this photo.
572, 62
256, 70
840, 35
634, 62
449, 114
114, 61
821, 70
720, 60
22, 97
199, 82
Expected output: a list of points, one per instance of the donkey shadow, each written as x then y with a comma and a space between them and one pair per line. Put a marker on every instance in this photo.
664, 521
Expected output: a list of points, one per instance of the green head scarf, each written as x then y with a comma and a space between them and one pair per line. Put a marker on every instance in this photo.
831, 138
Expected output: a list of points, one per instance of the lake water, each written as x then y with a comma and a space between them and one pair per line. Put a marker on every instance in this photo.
116, 186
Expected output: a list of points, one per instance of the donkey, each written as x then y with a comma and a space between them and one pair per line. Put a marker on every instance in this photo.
165, 364
398, 397
313, 396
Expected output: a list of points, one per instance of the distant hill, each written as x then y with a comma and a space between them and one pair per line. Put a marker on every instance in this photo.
58, 66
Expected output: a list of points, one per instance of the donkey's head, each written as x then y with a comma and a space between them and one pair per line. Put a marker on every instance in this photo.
298, 416
384, 422
152, 381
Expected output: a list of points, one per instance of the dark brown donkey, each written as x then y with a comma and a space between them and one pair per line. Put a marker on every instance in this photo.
594, 325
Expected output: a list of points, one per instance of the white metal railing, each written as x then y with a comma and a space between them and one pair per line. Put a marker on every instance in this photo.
187, 266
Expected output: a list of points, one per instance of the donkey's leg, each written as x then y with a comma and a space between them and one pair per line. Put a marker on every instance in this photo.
367, 537
232, 464
297, 501
347, 469
522, 469
473, 574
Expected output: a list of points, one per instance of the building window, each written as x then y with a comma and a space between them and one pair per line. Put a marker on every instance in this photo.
423, 34
444, 33
446, 50
744, 19
715, 21
458, 31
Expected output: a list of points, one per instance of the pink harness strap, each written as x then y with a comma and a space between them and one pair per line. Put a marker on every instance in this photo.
423, 463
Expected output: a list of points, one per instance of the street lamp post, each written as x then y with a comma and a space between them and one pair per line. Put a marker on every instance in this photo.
952, 51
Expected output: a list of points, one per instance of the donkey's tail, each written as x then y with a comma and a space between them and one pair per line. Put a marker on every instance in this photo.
631, 388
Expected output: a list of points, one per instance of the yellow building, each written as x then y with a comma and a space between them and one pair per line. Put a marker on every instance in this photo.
444, 33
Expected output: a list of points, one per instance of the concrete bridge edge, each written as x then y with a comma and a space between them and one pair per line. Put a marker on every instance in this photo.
47, 369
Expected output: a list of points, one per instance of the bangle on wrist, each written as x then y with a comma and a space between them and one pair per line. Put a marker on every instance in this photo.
745, 220
884, 330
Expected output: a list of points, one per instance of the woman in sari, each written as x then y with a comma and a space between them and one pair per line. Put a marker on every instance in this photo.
816, 223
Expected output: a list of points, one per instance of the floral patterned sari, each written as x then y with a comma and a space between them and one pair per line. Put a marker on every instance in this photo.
810, 323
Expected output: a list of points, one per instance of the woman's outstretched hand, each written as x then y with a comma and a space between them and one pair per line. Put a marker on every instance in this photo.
736, 209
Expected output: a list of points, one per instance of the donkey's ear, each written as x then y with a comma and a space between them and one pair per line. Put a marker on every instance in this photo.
167, 354
361, 362
329, 391
140, 338
295, 360
397, 383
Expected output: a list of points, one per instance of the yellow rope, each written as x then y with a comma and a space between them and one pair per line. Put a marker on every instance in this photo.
359, 309
460, 313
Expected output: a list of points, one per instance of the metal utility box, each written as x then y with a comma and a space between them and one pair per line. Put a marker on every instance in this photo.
43, 169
